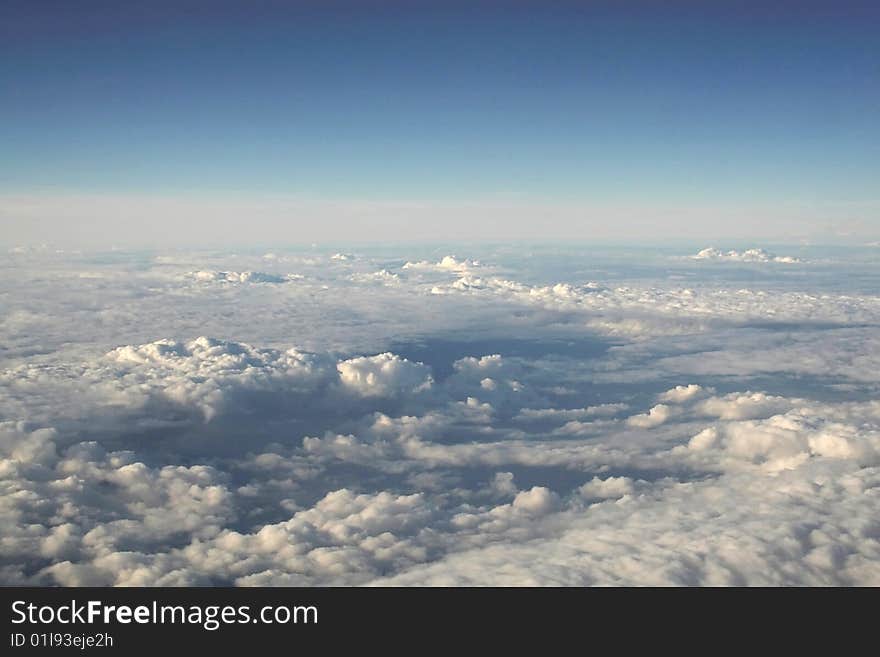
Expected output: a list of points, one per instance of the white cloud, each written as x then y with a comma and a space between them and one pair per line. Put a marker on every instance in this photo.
670, 424
749, 255
383, 375
656, 416
382, 276
602, 410
239, 277
742, 406
609, 488
446, 263
537, 501
680, 394
206, 373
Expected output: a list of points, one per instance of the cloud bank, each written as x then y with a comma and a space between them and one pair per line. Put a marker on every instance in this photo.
749, 255
537, 419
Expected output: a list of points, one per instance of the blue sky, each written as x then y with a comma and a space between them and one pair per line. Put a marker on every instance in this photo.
727, 106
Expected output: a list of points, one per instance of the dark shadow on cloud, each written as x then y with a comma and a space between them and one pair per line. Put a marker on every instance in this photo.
440, 354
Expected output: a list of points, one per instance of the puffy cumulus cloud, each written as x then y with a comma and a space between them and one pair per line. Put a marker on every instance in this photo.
86, 515
206, 373
344, 538
493, 379
680, 394
665, 426
749, 255
563, 291
240, 277
610, 488
734, 530
741, 406
446, 263
503, 484
212, 377
787, 440
563, 295
537, 501
18, 445
416, 452
656, 416
207, 357
382, 276
82, 503
790, 506
481, 367
384, 375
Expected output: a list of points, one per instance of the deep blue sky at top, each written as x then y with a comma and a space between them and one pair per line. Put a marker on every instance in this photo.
713, 101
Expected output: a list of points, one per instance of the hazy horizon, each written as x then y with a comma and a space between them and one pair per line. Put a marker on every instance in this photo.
438, 121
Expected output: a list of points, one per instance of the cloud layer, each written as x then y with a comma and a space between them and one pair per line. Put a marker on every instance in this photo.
414, 418
748, 255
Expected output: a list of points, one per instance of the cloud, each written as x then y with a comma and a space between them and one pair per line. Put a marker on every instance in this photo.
680, 394
446, 263
725, 534
562, 414
610, 488
627, 311
653, 418
383, 375
537, 501
206, 373
834, 351
749, 255
382, 276
741, 406
171, 524
238, 277
672, 424
787, 439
